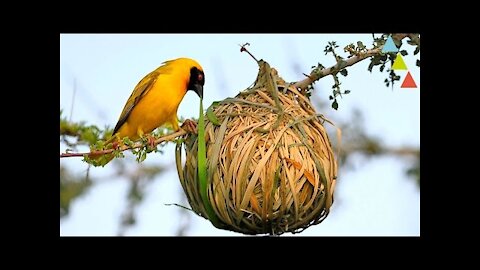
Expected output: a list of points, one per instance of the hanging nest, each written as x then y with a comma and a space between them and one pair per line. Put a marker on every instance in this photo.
270, 164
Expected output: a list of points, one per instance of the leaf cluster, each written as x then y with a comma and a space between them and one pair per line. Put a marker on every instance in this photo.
384, 61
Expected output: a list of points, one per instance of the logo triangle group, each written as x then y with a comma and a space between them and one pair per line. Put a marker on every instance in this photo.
389, 46
399, 64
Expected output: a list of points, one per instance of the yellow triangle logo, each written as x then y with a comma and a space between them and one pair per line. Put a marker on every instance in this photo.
399, 64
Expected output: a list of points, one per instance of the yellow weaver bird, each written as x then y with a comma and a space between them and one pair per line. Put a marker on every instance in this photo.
155, 100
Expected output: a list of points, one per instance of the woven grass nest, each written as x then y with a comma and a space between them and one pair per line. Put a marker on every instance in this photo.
270, 164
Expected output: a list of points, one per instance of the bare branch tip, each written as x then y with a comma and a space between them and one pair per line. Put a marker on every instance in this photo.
243, 49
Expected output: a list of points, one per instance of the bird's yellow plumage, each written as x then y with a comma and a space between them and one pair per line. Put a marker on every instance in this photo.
155, 99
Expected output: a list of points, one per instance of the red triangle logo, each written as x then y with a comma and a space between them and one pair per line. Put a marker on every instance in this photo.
408, 82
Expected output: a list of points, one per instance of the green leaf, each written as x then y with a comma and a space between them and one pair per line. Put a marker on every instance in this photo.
142, 155
335, 104
344, 72
211, 116
346, 92
330, 97
417, 50
403, 52
382, 67
370, 66
418, 63
202, 169
349, 48
127, 141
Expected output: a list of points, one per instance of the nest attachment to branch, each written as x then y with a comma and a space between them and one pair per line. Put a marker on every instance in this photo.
270, 164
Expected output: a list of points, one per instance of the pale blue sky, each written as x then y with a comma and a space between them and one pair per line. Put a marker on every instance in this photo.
375, 199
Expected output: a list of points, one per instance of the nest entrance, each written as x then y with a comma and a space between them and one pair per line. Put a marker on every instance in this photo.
270, 164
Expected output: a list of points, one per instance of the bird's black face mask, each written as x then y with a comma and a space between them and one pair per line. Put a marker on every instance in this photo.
197, 80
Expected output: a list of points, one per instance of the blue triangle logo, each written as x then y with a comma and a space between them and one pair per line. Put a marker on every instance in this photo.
389, 46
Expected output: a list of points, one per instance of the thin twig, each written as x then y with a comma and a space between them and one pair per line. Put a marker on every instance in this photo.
168, 137
73, 97
318, 74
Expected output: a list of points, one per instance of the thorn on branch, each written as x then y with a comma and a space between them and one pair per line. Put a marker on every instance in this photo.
306, 75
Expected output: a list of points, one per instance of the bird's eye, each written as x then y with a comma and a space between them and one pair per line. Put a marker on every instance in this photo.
200, 77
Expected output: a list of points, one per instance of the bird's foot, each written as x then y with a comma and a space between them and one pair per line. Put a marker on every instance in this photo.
190, 126
115, 145
150, 139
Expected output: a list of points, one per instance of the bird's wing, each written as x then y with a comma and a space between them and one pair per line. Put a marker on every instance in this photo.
139, 92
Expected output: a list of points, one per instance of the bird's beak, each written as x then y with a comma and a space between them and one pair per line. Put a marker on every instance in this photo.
197, 88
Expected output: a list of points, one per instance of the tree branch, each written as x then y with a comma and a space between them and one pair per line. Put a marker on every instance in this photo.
316, 75
380, 150
168, 137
